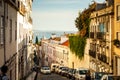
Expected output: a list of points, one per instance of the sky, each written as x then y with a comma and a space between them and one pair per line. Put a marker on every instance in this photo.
57, 15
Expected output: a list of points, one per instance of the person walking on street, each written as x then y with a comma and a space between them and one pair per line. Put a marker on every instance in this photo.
3, 72
88, 77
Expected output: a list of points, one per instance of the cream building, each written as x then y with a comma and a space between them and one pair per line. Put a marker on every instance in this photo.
101, 36
54, 52
75, 62
116, 60
24, 38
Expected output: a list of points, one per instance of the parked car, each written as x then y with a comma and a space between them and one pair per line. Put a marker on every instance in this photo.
59, 69
35, 68
110, 77
98, 75
64, 71
45, 70
71, 73
81, 73
54, 66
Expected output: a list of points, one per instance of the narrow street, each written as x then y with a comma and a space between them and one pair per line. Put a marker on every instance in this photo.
50, 77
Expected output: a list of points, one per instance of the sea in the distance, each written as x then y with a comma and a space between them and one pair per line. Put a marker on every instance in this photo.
47, 34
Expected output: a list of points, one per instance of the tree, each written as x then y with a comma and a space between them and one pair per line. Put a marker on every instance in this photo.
83, 20
36, 40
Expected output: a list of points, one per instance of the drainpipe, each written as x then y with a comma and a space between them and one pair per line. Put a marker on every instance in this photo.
4, 32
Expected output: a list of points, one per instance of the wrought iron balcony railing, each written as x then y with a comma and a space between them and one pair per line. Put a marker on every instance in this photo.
30, 19
102, 58
100, 35
91, 34
22, 8
92, 53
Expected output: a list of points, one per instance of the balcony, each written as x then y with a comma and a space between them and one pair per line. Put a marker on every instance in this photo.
91, 34
22, 9
100, 35
30, 20
92, 53
102, 58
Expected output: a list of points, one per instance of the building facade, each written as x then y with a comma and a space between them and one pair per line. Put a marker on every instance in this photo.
15, 36
54, 52
76, 62
8, 35
101, 36
116, 37
24, 37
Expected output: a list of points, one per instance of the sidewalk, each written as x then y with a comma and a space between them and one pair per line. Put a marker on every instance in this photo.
31, 76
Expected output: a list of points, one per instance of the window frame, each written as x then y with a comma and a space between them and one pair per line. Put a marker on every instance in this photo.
118, 12
2, 30
10, 30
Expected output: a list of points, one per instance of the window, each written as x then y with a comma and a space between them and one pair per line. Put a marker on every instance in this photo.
15, 30
118, 12
118, 35
10, 30
2, 30
107, 26
0, 2
14, 1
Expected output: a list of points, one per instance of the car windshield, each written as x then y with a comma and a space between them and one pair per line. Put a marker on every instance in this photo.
83, 72
98, 75
113, 77
46, 68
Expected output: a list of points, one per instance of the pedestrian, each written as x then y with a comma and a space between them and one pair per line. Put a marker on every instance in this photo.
88, 77
3, 72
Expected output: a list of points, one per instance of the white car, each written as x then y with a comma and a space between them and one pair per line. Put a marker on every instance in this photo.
54, 66
80, 73
110, 77
45, 70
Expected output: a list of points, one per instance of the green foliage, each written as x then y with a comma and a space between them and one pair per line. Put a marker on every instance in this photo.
82, 22
36, 40
77, 45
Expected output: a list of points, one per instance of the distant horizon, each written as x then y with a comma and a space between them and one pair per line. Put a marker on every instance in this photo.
58, 15
55, 30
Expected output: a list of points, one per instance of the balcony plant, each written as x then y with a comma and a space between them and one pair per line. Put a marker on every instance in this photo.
116, 42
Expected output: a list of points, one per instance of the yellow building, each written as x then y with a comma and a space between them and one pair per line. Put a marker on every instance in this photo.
76, 62
117, 37
101, 28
